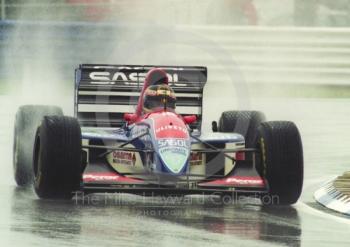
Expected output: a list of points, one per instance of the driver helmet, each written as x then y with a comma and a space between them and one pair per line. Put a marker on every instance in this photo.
157, 97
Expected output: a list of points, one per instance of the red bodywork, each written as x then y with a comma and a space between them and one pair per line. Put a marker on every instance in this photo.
154, 76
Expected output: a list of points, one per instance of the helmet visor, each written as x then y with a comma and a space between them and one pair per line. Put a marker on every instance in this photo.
160, 97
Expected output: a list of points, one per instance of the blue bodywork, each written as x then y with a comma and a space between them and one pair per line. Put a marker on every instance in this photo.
141, 136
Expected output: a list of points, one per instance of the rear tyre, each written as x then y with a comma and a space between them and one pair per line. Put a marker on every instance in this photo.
57, 158
281, 161
245, 123
28, 118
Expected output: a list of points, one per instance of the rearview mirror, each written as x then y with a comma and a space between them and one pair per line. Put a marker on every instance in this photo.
190, 119
130, 117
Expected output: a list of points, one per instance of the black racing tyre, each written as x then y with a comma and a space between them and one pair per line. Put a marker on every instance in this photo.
57, 158
28, 119
281, 162
242, 122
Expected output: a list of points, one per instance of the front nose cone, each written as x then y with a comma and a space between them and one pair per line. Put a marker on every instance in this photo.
174, 154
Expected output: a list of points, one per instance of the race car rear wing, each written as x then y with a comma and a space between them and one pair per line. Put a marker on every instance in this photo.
105, 92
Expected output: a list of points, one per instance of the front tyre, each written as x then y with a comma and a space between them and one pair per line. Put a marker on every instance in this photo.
57, 160
281, 162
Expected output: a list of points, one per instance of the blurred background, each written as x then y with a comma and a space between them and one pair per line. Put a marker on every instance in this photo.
300, 44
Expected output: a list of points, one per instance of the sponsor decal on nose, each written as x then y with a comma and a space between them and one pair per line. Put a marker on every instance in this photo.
174, 153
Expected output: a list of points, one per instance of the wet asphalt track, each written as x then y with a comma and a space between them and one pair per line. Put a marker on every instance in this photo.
127, 220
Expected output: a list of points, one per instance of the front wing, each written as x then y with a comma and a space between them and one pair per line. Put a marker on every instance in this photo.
100, 178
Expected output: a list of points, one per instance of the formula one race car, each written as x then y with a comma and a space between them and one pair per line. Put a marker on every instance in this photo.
137, 129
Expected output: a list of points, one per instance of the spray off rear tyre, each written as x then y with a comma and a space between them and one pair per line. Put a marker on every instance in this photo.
28, 118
